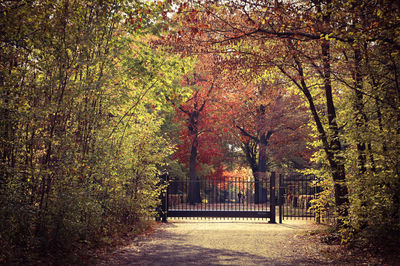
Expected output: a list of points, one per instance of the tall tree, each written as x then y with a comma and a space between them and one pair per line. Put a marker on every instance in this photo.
252, 32
341, 56
196, 112
81, 98
264, 118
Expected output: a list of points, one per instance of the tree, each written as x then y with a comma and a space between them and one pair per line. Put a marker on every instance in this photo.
230, 28
262, 117
197, 112
82, 94
343, 57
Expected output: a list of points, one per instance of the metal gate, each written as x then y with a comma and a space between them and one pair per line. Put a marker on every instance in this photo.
296, 194
221, 198
288, 196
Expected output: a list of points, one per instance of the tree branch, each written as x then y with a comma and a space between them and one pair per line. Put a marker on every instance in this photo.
245, 133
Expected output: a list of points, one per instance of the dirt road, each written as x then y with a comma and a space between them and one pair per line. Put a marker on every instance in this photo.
223, 242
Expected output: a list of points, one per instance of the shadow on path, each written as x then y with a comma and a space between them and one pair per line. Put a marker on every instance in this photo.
202, 243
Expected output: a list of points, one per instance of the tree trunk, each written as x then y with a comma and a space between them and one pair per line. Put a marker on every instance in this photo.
251, 158
263, 136
194, 182
331, 143
262, 166
360, 116
336, 160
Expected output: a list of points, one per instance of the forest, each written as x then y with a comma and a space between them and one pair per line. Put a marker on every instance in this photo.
100, 98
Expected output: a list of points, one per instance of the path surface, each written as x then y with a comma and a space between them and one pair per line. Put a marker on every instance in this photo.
222, 242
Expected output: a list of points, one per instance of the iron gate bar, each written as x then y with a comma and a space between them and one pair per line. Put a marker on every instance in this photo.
272, 198
296, 195
280, 199
221, 198
220, 214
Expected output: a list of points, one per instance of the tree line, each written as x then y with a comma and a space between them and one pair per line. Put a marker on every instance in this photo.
98, 98
342, 59
82, 98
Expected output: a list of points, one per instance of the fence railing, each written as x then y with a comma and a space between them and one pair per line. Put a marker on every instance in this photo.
228, 197
289, 196
297, 193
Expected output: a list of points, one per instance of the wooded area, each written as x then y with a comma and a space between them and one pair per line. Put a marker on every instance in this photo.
99, 98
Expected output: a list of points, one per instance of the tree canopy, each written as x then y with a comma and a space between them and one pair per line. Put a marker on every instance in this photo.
99, 98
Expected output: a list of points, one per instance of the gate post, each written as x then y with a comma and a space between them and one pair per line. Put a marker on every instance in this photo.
164, 205
280, 199
272, 204
164, 199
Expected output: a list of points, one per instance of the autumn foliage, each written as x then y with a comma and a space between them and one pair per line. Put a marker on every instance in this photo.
341, 58
98, 98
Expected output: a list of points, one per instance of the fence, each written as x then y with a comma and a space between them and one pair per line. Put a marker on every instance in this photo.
228, 197
241, 198
297, 193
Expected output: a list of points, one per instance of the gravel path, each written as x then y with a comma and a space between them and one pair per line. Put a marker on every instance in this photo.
222, 242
